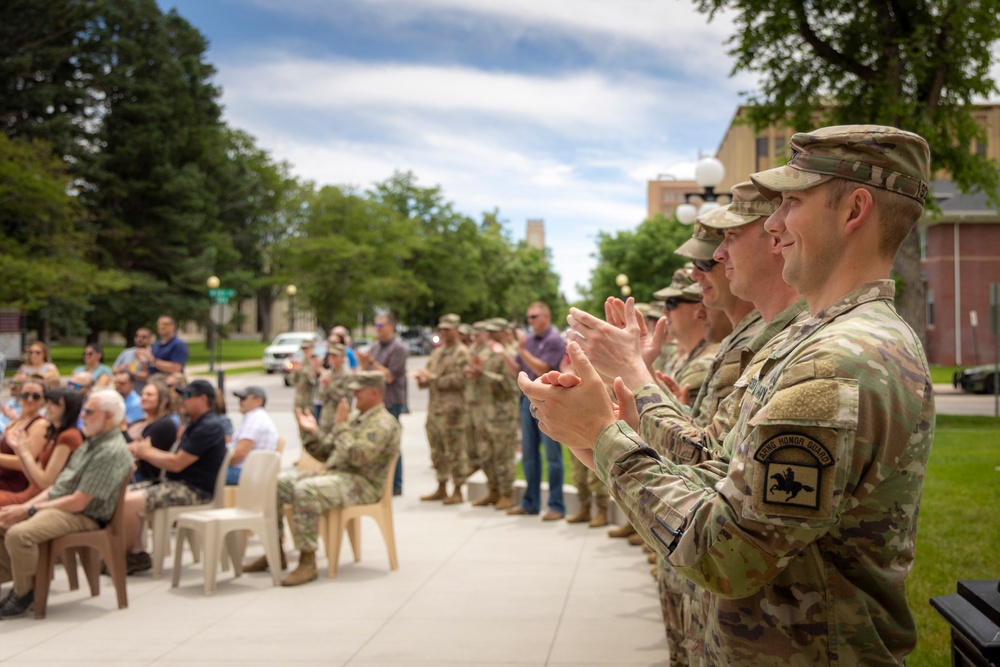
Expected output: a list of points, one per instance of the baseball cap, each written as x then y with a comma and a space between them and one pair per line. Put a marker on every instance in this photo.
876, 155
197, 388
681, 280
252, 390
702, 243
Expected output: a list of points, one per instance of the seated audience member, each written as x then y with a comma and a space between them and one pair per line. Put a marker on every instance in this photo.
220, 410
11, 409
62, 409
129, 359
256, 431
93, 363
31, 431
82, 382
190, 471
125, 385
357, 453
37, 361
158, 426
82, 497
173, 381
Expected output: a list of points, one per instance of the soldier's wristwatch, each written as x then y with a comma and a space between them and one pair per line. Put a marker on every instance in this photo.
31, 511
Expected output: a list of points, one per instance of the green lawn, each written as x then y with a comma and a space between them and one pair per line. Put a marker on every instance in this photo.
567, 460
68, 357
958, 536
943, 374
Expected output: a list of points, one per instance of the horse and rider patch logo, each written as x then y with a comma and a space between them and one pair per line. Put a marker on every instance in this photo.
793, 464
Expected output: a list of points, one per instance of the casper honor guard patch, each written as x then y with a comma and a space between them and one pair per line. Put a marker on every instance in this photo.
793, 465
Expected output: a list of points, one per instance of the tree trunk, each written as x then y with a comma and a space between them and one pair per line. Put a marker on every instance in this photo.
911, 300
265, 301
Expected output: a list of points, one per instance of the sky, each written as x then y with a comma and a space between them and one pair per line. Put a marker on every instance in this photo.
552, 109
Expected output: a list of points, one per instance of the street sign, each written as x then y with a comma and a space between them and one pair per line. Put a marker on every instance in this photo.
222, 312
221, 295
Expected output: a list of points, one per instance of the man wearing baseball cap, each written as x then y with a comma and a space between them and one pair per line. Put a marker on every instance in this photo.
802, 533
256, 431
357, 452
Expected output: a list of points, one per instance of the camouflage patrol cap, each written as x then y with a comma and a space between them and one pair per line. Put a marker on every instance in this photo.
682, 278
747, 206
336, 349
449, 321
365, 379
495, 325
465, 329
692, 292
703, 242
876, 155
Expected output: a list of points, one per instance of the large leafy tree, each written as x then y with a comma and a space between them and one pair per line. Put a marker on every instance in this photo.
915, 65
645, 255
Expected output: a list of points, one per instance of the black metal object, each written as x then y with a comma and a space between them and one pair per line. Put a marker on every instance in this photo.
974, 616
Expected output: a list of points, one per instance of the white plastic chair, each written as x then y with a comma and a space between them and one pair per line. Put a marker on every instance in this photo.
255, 510
164, 517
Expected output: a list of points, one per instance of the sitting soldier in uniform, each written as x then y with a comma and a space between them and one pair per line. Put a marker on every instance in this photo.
357, 453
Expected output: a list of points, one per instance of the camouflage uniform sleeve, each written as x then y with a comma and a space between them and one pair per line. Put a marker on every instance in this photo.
319, 444
365, 445
666, 425
696, 372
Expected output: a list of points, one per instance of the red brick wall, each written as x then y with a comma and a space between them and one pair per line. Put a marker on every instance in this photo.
979, 260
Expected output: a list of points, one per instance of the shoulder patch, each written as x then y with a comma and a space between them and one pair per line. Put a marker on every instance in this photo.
793, 465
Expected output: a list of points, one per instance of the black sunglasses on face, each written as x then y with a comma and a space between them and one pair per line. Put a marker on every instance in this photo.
673, 303
704, 265
31, 396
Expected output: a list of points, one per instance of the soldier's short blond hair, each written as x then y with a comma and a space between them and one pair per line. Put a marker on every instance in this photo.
897, 213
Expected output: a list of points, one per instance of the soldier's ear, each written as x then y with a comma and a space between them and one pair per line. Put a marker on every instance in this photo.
858, 209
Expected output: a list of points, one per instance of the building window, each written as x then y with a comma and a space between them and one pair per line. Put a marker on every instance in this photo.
779, 145
981, 148
669, 197
763, 161
930, 307
922, 232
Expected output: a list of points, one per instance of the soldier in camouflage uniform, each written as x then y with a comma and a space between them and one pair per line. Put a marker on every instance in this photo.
357, 452
802, 530
447, 419
476, 399
334, 385
303, 376
694, 352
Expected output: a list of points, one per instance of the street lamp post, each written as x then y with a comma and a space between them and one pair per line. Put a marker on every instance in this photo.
622, 281
213, 283
708, 173
291, 291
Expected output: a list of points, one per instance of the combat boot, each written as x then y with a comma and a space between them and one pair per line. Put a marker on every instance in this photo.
635, 539
440, 494
455, 498
600, 519
504, 503
305, 572
488, 499
580, 517
622, 531
260, 565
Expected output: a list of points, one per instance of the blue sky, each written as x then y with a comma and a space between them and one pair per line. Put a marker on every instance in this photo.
553, 109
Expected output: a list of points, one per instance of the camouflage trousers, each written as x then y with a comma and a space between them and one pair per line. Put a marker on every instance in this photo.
168, 493
478, 445
311, 494
501, 448
680, 604
447, 435
588, 485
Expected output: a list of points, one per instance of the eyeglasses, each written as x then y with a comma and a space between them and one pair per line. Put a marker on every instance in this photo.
533, 317
704, 265
34, 352
31, 396
88, 353
74, 385
185, 394
379, 325
673, 303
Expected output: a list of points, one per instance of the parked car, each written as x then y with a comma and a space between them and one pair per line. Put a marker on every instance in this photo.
282, 347
976, 380
417, 340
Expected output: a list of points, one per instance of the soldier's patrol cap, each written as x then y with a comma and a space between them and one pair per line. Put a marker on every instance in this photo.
465, 329
479, 327
748, 205
307, 343
363, 379
692, 292
495, 325
876, 155
702, 243
682, 278
656, 307
336, 349
449, 321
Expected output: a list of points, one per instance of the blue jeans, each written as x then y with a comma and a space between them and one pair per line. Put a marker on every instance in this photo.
397, 480
531, 460
233, 476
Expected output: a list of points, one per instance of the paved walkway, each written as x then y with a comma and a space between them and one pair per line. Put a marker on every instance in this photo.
474, 587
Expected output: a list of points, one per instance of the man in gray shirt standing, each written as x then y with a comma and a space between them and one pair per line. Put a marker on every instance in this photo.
388, 356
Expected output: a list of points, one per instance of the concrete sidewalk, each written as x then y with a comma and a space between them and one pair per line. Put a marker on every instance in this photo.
474, 587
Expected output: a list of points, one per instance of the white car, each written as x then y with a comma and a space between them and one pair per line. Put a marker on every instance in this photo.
283, 347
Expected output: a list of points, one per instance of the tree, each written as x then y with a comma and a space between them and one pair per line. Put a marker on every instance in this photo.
645, 255
44, 263
918, 66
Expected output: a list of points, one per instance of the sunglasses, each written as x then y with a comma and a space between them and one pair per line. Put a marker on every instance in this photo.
533, 317
31, 396
672, 303
34, 352
379, 326
704, 265
74, 385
